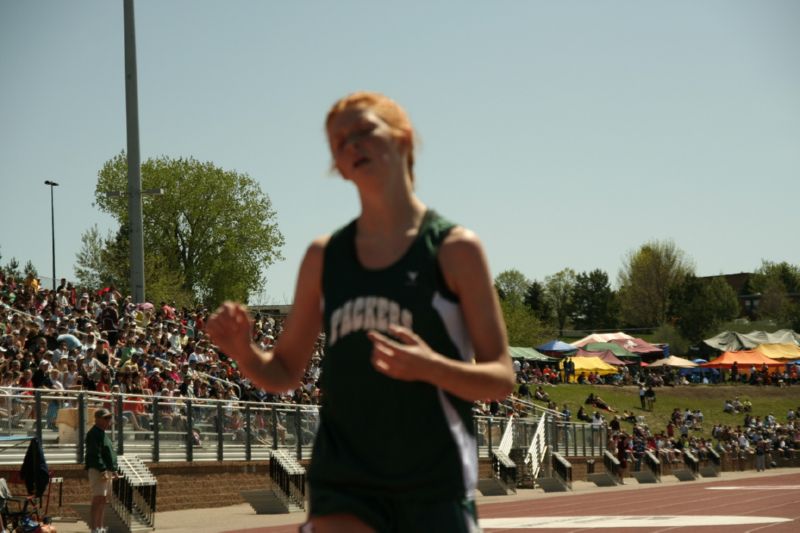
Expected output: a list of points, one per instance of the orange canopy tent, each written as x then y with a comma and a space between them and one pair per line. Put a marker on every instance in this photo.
744, 359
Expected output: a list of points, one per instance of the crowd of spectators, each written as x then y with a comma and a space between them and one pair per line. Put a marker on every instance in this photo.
99, 340
767, 439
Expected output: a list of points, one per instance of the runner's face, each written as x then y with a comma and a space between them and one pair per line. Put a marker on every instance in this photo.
362, 143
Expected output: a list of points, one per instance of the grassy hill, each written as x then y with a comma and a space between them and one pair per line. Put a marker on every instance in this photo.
708, 398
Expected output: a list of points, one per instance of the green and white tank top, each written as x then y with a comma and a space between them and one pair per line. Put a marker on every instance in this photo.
377, 434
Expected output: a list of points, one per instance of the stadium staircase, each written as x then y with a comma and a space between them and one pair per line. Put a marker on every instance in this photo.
524, 459
504, 468
610, 476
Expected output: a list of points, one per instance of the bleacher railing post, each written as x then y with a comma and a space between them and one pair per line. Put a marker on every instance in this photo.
119, 421
81, 426
248, 451
220, 427
189, 432
298, 433
37, 409
489, 431
274, 416
156, 427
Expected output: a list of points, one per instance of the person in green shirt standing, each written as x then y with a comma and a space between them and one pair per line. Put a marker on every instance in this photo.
101, 462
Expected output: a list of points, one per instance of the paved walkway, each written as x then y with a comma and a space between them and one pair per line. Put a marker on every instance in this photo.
242, 516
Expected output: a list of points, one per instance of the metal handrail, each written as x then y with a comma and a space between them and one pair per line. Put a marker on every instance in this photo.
653, 464
535, 455
691, 461
612, 464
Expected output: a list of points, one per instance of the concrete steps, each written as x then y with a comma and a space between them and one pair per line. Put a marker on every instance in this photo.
267, 501
603, 479
552, 484
494, 487
645, 476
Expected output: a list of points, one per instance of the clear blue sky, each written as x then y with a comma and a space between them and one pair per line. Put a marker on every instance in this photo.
566, 133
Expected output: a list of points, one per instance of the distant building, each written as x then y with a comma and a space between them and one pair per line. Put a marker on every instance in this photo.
740, 283
281, 311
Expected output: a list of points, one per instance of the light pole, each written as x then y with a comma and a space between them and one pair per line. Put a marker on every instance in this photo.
52, 184
134, 170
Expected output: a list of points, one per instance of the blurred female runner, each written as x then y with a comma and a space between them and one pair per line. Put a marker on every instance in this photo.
414, 334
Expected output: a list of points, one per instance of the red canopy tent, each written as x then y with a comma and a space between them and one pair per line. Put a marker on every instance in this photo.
637, 346
744, 359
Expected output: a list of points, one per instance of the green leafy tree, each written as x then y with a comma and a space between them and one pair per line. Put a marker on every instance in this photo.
779, 285
511, 285
559, 289
104, 261
522, 326
648, 278
30, 270
594, 304
90, 269
783, 273
669, 334
536, 299
700, 306
12, 269
214, 228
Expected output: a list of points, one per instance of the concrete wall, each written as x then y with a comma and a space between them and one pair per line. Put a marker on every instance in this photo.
183, 485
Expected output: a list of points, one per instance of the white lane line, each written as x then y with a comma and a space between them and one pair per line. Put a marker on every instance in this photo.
594, 522
757, 487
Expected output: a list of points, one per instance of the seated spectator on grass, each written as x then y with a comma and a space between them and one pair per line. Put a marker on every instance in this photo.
728, 407
541, 395
599, 402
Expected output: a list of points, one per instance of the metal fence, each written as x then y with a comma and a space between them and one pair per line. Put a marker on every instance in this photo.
158, 428
155, 428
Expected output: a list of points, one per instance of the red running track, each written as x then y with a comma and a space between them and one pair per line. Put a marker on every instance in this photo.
711, 507
770, 496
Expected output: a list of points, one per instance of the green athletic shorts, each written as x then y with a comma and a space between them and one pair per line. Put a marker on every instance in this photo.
386, 514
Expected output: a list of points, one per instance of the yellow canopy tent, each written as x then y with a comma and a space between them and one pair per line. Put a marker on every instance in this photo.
589, 365
780, 352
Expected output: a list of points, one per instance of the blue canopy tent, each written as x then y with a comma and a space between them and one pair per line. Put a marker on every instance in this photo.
696, 375
556, 346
